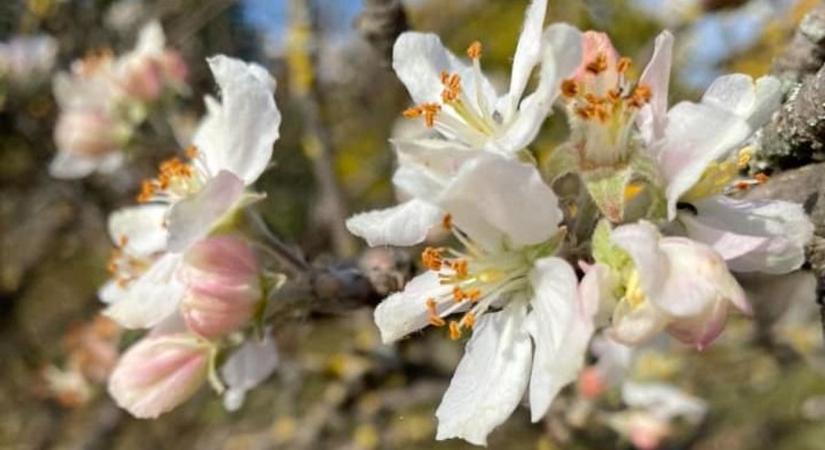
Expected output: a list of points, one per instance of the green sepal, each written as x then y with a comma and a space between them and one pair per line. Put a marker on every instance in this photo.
605, 251
607, 189
564, 160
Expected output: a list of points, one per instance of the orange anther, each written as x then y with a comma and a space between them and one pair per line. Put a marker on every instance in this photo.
761, 177
458, 294
447, 222
598, 65
432, 314
191, 152
474, 50
460, 268
455, 330
623, 65
452, 87
641, 95
469, 320
427, 110
431, 258
569, 88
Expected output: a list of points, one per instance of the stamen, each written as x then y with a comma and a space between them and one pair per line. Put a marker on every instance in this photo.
761, 177
641, 95
427, 110
744, 157
452, 87
431, 259
569, 88
598, 65
191, 152
474, 50
447, 222
623, 65
455, 330
433, 317
469, 320
460, 268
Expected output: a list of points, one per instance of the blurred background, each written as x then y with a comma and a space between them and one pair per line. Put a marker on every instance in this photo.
337, 387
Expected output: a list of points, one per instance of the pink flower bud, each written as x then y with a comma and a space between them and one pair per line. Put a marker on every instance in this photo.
142, 78
174, 67
223, 286
159, 373
85, 133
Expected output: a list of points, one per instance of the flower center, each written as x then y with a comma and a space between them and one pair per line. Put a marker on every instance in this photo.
477, 278
602, 106
469, 113
176, 180
723, 177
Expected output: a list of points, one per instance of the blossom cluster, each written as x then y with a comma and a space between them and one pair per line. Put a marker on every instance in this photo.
652, 243
185, 268
103, 100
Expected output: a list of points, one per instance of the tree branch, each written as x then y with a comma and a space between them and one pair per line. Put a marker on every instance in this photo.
380, 24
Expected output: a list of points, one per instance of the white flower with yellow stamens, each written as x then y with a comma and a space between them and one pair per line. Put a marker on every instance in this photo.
457, 99
233, 147
521, 303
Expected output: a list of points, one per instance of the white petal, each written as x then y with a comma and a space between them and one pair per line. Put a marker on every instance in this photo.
66, 165
403, 225
151, 298
426, 166
657, 77
418, 60
528, 51
641, 242
141, 227
151, 39
695, 136
490, 379
111, 292
561, 326
404, 312
738, 94
247, 367
634, 325
562, 54
490, 199
765, 235
194, 217
238, 135
664, 401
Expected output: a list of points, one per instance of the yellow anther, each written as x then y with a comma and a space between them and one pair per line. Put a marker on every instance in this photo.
633, 291
744, 157
452, 87
432, 314
469, 320
632, 190
641, 95
460, 267
474, 50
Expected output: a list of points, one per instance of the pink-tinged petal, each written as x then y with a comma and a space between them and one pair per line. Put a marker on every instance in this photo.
560, 324
402, 225
758, 235
697, 278
700, 331
656, 76
237, 135
528, 52
490, 380
159, 373
405, 312
151, 298
695, 136
194, 217
594, 44
488, 197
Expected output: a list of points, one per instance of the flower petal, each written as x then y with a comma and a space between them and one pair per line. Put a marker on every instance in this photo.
738, 94
561, 325
489, 196
141, 228
561, 56
404, 312
702, 330
237, 135
426, 166
764, 235
247, 367
402, 225
151, 298
641, 241
695, 136
419, 59
193, 218
491, 378
634, 325
656, 76
663, 400
528, 51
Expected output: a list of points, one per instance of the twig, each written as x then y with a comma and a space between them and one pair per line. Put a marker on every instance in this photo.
316, 139
279, 249
380, 24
